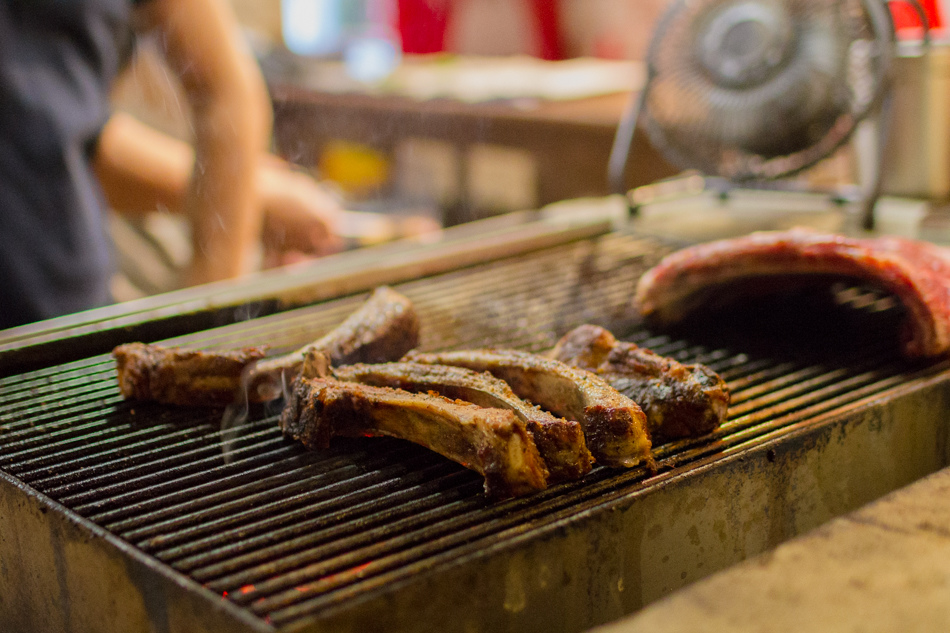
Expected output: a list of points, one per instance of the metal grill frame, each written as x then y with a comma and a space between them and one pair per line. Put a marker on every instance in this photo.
627, 541
585, 566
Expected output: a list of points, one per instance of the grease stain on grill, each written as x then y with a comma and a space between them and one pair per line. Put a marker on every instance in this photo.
286, 533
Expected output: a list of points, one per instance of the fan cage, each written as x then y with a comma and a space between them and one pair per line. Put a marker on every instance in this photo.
680, 96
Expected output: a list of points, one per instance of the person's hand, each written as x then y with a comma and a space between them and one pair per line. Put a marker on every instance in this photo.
300, 216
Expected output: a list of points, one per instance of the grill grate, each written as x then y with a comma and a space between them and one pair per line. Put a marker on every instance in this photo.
287, 533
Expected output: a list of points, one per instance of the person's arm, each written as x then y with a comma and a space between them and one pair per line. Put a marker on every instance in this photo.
141, 169
232, 120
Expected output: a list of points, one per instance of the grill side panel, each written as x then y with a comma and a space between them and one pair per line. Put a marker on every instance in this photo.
59, 572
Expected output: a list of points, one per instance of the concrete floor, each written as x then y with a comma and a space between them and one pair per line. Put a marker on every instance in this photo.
885, 567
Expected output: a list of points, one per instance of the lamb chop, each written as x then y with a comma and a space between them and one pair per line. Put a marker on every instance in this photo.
560, 442
384, 328
614, 426
916, 273
493, 442
678, 400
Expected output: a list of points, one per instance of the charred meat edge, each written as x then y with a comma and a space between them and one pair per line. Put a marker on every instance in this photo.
614, 426
561, 442
492, 442
384, 328
679, 400
917, 273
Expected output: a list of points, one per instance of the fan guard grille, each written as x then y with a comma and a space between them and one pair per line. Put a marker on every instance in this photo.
759, 89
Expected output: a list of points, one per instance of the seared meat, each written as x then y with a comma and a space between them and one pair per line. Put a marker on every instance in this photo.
614, 426
493, 442
917, 273
181, 376
384, 328
678, 400
561, 442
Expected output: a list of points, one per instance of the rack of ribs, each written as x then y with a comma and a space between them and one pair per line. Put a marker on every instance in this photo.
678, 400
492, 442
916, 273
384, 328
614, 426
560, 442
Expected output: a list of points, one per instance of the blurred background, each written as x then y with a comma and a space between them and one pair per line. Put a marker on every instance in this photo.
416, 114
421, 114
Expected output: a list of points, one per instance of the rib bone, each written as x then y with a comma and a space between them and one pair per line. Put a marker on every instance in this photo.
614, 426
384, 328
678, 400
560, 442
493, 442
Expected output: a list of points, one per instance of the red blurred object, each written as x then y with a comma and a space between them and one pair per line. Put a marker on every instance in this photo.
423, 23
549, 28
907, 20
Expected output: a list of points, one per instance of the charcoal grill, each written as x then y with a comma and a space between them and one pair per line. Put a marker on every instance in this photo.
119, 516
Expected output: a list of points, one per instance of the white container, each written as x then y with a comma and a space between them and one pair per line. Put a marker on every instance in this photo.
917, 157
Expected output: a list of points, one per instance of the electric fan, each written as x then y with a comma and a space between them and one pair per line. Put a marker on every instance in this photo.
756, 90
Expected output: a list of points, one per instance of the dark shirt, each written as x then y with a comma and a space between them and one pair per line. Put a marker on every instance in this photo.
58, 59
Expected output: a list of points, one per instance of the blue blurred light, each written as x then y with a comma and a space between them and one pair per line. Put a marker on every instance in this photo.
311, 27
371, 58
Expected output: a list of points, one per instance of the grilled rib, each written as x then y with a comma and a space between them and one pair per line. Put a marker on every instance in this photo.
493, 442
917, 273
181, 376
560, 442
678, 400
614, 426
384, 328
